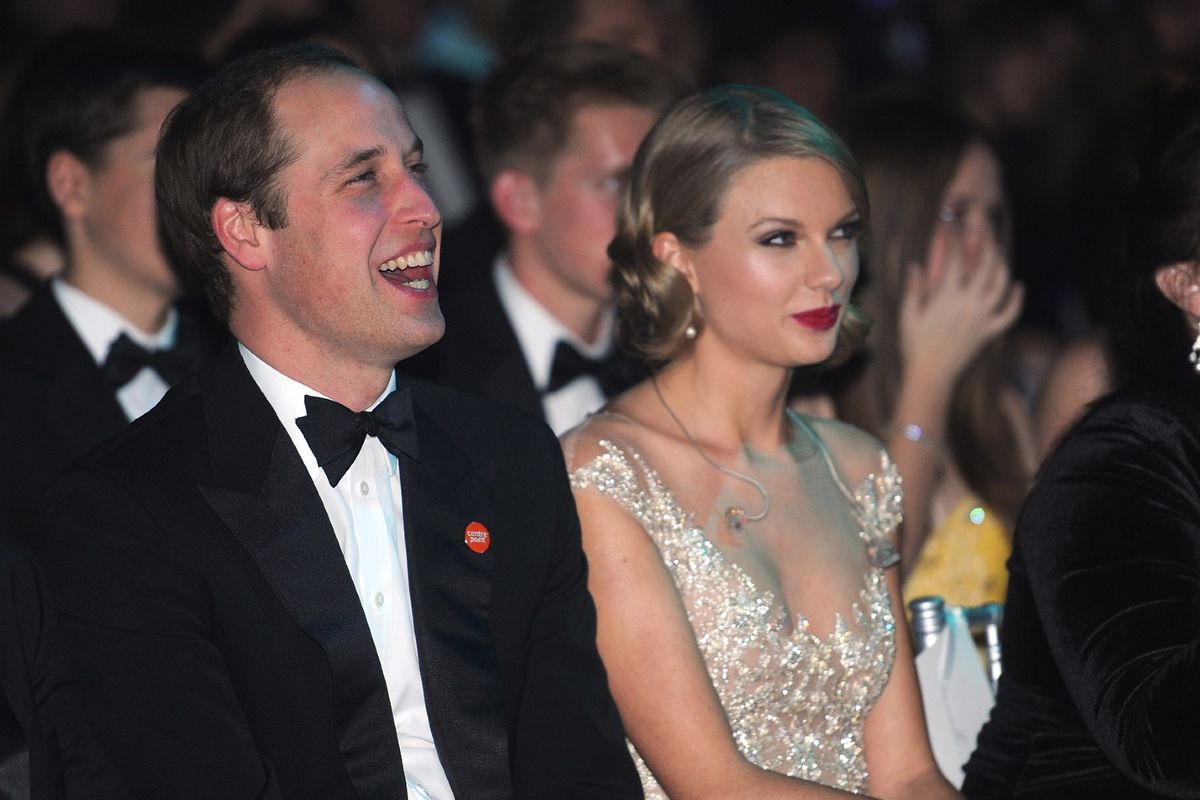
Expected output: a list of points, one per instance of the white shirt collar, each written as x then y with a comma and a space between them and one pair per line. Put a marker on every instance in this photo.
286, 396
538, 331
99, 325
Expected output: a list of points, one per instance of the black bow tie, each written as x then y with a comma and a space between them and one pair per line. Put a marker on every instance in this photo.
610, 371
127, 358
335, 434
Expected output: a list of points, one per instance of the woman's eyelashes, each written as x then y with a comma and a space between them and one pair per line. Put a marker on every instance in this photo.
779, 238
847, 230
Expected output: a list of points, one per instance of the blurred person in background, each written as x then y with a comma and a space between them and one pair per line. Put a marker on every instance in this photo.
101, 345
933, 382
663, 29
556, 130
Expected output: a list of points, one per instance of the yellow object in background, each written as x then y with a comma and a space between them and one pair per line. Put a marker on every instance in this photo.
964, 558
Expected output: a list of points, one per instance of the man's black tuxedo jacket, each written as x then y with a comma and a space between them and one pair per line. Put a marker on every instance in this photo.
46, 750
219, 642
480, 353
55, 405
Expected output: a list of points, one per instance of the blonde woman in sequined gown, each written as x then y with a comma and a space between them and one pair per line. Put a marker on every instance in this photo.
741, 555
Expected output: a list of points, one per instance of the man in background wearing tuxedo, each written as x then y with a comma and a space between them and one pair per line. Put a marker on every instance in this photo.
99, 346
555, 131
301, 576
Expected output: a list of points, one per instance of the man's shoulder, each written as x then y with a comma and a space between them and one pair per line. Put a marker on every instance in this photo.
460, 410
160, 442
475, 422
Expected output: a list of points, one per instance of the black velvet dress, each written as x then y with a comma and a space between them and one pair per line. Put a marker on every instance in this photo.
1100, 696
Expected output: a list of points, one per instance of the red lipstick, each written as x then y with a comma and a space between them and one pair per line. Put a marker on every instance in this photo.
819, 319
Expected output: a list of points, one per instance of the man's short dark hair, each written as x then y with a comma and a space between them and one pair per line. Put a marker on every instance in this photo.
76, 92
524, 112
224, 141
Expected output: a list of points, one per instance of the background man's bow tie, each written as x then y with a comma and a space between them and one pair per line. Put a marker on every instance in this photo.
126, 358
610, 371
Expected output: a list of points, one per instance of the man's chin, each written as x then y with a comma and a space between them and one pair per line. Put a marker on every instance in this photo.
422, 341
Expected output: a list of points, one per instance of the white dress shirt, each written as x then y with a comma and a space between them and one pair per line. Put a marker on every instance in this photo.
538, 333
98, 326
366, 510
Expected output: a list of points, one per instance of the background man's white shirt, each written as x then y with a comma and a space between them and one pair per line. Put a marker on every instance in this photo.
538, 334
98, 326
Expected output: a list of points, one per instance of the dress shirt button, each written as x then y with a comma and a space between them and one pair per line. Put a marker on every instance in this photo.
379, 599
364, 489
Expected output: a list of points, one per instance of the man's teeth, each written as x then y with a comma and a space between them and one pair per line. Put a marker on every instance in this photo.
421, 259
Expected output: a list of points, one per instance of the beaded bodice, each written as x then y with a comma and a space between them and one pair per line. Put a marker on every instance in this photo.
796, 701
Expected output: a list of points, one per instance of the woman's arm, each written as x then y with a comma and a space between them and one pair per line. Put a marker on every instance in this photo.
656, 673
899, 757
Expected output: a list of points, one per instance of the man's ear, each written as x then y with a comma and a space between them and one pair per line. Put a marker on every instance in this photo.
70, 184
1180, 283
667, 248
517, 199
239, 232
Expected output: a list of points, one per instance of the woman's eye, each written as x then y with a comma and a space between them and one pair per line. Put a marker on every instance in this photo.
954, 214
779, 239
847, 231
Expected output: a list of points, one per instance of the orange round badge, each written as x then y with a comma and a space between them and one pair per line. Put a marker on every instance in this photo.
477, 537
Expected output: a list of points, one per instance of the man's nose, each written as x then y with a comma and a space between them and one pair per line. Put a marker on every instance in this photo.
413, 202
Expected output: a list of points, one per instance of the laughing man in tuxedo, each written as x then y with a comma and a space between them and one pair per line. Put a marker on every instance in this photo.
300, 576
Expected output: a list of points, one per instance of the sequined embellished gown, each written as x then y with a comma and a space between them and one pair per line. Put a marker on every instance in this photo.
795, 687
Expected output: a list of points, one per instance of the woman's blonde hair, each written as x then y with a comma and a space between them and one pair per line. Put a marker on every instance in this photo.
679, 177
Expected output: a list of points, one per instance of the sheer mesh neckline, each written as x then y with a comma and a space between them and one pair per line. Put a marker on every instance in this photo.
789, 622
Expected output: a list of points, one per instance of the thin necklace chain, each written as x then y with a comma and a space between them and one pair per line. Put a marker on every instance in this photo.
735, 516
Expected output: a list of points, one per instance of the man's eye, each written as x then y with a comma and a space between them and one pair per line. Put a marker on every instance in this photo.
420, 168
367, 176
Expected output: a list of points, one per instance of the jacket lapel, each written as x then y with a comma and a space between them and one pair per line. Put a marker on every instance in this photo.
451, 587
262, 492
